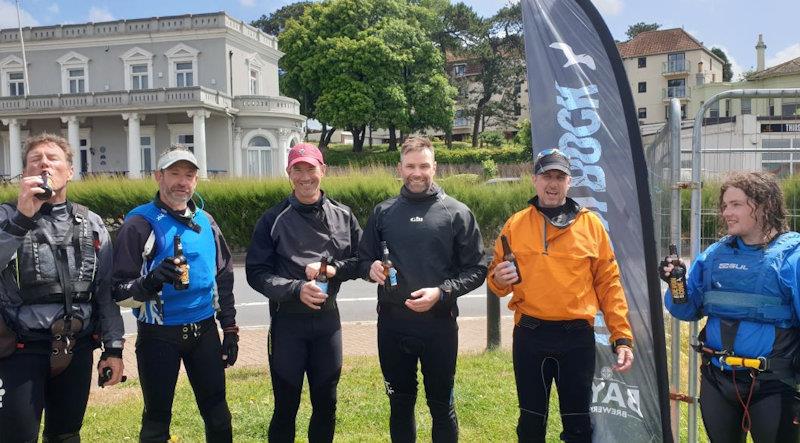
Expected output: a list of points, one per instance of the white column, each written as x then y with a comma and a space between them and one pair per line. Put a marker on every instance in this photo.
199, 131
237, 152
15, 146
134, 145
74, 139
285, 134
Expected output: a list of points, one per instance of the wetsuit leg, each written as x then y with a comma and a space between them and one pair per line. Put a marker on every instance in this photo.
66, 398
288, 356
158, 362
23, 377
206, 372
438, 364
721, 411
399, 367
574, 377
534, 372
324, 369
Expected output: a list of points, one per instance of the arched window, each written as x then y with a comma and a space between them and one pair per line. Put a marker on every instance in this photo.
259, 157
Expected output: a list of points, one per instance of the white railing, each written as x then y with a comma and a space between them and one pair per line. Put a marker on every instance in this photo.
258, 103
139, 26
150, 98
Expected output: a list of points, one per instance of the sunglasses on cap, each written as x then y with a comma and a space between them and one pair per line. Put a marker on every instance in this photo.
550, 151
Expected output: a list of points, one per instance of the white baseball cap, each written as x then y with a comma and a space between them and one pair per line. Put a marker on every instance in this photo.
173, 156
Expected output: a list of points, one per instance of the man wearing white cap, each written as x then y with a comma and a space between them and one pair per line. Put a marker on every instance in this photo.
176, 317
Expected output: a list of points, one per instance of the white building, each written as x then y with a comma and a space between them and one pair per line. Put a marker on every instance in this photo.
122, 91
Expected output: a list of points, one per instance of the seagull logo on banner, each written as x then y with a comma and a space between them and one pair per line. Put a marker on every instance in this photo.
572, 58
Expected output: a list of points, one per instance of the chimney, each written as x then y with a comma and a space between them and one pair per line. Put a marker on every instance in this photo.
700, 77
760, 47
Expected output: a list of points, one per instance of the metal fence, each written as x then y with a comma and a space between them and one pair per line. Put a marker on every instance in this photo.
738, 130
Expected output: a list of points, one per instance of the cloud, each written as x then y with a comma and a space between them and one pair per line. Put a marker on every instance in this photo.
8, 16
608, 7
247, 2
784, 55
97, 14
53, 9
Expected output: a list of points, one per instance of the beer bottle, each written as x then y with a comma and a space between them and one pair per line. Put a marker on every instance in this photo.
390, 284
178, 253
508, 256
322, 277
677, 278
47, 185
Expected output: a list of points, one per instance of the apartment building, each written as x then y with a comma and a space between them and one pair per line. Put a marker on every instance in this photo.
124, 90
664, 64
464, 72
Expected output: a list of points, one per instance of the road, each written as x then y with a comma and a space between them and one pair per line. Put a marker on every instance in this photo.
357, 300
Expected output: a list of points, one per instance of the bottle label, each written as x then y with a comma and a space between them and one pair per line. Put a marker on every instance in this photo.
185, 274
323, 286
392, 277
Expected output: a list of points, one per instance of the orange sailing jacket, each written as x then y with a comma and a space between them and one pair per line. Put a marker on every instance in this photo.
567, 273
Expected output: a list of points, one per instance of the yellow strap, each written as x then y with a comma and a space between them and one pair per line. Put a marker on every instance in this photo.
753, 363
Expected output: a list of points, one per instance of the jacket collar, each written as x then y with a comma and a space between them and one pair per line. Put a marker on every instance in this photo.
569, 213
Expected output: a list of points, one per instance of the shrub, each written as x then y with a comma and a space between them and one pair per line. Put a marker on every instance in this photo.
491, 138
489, 168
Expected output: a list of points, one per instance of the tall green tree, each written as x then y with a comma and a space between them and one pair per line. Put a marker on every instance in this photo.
637, 28
727, 71
275, 22
497, 49
366, 62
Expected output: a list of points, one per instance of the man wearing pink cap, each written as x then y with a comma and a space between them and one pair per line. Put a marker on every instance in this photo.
289, 243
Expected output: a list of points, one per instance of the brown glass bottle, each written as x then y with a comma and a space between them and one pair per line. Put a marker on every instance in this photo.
47, 185
508, 255
677, 278
178, 253
322, 277
389, 271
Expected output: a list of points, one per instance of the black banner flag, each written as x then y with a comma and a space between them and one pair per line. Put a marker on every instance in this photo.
581, 102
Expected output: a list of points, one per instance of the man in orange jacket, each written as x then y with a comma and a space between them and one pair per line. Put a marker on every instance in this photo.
568, 271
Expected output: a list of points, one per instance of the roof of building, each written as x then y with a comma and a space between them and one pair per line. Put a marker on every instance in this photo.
792, 67
660, 42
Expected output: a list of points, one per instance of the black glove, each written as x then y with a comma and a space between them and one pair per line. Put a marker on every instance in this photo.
666, 262
230, 348
167, 272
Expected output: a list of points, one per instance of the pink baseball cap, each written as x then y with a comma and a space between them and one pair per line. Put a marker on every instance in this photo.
305, 152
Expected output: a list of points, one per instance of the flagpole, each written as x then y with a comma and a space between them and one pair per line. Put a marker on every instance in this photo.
24, 59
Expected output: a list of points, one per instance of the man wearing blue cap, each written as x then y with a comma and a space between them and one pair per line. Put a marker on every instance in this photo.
565, 272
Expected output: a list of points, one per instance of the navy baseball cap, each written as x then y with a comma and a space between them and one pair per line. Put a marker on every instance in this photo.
550, 159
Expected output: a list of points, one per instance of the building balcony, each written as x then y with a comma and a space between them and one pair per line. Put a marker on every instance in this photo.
462, 122
675, 69
148, 100
260, 105
680, 92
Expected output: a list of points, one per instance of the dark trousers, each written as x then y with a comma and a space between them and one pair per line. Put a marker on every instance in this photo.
773, 408
563, 352
301, 344
159, 352
435, 346
26, 390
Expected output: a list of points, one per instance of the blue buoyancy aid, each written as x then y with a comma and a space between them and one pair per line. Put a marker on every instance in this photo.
198, 301
742, 283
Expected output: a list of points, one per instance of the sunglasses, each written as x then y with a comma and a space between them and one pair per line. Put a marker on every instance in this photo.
550, 151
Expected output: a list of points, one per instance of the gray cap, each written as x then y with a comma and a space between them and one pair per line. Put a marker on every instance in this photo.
173, 156
550, 159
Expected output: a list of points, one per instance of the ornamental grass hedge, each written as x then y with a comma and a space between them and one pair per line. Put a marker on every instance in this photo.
237, 204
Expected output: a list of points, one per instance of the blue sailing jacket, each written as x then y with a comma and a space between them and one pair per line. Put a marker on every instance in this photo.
197, 302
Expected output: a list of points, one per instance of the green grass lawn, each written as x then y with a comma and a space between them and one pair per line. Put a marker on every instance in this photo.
485, 398
485, 395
